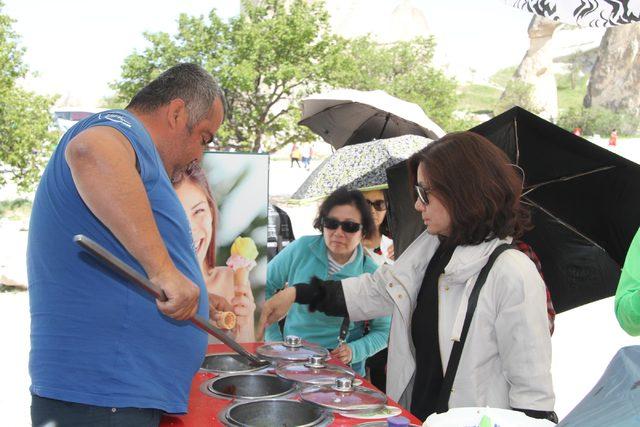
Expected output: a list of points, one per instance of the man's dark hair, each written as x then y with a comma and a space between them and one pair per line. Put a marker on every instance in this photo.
344, 196
189, 82
477, 184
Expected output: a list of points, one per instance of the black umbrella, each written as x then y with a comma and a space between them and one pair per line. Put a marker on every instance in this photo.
583, 198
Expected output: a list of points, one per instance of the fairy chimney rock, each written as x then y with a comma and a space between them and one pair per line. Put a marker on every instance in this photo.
536, 67
615, 77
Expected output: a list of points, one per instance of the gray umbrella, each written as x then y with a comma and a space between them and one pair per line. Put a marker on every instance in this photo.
345, 116
360, 166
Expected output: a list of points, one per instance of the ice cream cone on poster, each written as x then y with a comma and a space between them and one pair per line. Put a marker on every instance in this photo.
241, 261
241, 278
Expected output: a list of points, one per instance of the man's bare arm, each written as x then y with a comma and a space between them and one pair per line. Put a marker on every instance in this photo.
103, 166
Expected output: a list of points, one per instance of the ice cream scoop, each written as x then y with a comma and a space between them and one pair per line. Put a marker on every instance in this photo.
243, 254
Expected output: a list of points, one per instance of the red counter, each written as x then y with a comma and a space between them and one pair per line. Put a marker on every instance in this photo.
204, 409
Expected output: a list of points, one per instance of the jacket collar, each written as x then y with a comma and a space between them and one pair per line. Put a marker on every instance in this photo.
320, 251
467, 261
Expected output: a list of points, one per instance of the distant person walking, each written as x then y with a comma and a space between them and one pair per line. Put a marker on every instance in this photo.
306, 152
295, 155
613, 138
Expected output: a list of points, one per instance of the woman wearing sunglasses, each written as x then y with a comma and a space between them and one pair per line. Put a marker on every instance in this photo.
344, 219
469, 199
378, 245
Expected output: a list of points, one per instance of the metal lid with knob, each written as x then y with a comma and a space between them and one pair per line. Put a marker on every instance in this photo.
292, 349
314, 371
344, 396
292, 341
316, 362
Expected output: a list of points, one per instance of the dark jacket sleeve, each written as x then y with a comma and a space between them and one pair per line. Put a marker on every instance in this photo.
325, 296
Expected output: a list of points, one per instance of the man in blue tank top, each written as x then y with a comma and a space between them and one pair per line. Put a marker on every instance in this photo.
102, 354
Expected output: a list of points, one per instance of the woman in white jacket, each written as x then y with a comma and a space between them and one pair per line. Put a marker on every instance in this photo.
469, 198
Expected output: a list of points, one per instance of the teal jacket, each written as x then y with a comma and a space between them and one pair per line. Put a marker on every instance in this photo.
297, 263
627, 303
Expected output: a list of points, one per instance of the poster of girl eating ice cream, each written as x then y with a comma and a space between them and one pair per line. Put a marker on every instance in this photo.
225, 199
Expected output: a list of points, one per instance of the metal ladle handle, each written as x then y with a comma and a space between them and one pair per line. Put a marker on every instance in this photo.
102, 254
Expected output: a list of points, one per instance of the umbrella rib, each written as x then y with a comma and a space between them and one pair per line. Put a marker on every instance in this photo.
386, 121
515, 124
565, 178
528, 201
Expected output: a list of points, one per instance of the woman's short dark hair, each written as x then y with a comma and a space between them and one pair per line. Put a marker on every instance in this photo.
478, 185
343, 196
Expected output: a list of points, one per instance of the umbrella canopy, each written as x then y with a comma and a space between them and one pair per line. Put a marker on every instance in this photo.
615, 399
345, 117
583, 198
359, 166
583, 13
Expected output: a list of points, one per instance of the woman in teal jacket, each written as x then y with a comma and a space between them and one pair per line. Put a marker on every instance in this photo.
344, 219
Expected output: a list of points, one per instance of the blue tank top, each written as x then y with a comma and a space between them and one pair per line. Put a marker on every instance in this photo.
96, 339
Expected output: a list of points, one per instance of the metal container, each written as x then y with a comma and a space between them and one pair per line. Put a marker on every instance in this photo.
228, 363
248, 386
275, 412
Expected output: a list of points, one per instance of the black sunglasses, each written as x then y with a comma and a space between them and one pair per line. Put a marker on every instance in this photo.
423, 194
379, 205
347, 226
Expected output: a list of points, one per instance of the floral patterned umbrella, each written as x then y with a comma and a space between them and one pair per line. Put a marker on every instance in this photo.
360, 166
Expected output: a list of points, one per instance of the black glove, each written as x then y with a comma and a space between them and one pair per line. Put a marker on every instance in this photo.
325, 296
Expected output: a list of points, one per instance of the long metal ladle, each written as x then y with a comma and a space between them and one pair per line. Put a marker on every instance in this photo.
103, 255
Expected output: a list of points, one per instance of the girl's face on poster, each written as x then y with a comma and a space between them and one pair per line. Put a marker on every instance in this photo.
195, 204
339, 242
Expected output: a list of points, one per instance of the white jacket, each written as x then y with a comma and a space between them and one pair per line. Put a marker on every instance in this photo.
506, 360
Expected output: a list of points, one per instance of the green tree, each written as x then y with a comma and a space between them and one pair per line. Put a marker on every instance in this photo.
597, 120
271, 56
402, 69
517, 93
26, 138
266, 59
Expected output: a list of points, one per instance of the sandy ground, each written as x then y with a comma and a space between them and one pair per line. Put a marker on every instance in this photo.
585, 340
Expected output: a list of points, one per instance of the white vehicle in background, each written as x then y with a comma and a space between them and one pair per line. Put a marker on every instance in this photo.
68, 116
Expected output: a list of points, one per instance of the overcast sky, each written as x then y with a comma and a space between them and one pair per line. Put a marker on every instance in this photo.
77, 47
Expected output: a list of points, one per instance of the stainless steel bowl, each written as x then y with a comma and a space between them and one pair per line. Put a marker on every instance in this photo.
228, 363
248, 386
275, 412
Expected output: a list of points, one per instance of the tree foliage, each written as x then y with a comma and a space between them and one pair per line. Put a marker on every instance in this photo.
598, 121
271, 56
26, 138
266, 59
403, 69
517, 93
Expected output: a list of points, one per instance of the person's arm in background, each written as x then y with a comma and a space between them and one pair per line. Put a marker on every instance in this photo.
361, 298
277, 276
103, 166
376, 340
627, 301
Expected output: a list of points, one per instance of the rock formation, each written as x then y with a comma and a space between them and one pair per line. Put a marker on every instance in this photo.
615, 78
536, 67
